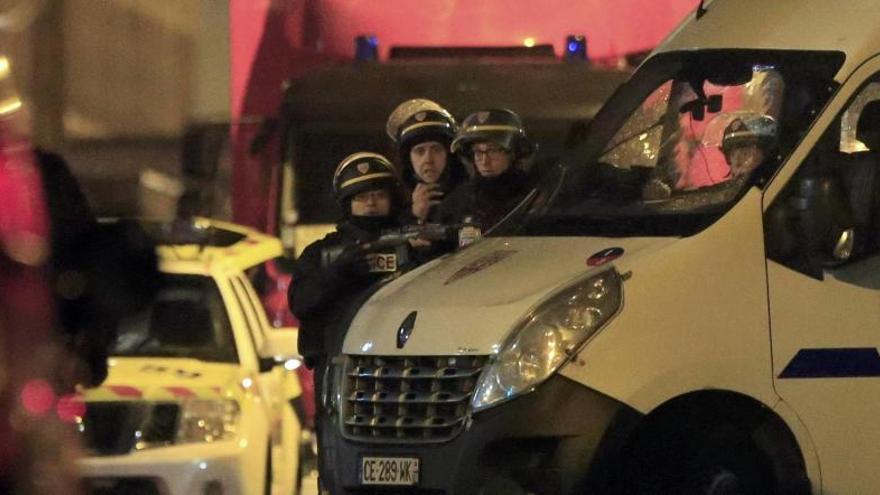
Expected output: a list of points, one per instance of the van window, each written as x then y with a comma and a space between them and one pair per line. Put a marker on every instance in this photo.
681, 141
834, 194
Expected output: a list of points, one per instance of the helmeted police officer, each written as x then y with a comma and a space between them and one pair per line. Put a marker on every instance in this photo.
423, 131
331, 273
335, 275
496, 143
747, 142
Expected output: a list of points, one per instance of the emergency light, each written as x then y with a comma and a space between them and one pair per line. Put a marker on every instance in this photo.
366, 48
576, 47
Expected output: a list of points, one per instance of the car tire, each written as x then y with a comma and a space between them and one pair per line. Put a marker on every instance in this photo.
719, 460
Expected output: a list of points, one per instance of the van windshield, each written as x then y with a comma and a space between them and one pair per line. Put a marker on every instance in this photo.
680, 143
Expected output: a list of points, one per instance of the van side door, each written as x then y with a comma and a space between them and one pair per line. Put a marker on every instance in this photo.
822, 238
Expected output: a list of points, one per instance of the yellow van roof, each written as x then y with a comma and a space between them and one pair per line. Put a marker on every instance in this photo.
216, 244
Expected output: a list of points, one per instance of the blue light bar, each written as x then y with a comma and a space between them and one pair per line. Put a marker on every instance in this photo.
576, 47
366, 48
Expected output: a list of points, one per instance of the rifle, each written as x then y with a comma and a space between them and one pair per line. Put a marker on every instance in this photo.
395, 243
399, 237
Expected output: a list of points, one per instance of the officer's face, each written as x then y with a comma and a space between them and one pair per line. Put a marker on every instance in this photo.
491, 159
428, 160
375, 203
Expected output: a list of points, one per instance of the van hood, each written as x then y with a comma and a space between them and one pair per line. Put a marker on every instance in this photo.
141, 378
467, 303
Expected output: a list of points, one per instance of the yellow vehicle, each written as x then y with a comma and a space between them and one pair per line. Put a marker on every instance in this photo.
200, 388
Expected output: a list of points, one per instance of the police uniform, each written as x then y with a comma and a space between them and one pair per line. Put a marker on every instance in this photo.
418, 121
332, 274
333, 277
484, 201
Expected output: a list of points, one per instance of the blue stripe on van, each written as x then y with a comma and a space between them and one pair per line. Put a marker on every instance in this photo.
833, 363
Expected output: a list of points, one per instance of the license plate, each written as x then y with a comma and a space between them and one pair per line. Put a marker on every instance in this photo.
390, 471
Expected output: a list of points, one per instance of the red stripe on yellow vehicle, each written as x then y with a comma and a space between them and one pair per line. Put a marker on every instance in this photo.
181, 392
125, 391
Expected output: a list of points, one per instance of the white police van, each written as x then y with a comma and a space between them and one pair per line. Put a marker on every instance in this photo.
688, 304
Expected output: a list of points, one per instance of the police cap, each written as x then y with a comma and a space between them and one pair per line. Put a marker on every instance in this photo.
419, 120
361, 172
497, 125
760, 130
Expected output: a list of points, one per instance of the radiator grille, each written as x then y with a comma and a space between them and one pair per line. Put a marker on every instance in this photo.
409, 399
114, 428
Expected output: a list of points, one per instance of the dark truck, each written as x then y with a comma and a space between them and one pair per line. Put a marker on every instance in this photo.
337, 110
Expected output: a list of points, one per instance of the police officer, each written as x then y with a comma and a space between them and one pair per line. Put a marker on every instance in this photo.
423, 132
496, 143
331, 273
335, 275
747, 142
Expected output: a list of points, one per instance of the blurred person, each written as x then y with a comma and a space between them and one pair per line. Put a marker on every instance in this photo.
36, 449
422, 132
496, 143
65, 281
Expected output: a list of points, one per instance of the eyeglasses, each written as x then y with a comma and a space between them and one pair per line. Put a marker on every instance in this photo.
491, 152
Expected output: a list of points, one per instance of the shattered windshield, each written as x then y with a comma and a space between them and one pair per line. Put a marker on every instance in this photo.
681, 142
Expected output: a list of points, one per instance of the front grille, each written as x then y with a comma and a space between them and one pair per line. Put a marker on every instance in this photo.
408, 399
114, 428
161, 426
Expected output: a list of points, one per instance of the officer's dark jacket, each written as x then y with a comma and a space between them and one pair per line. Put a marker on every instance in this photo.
487, 201
323, 299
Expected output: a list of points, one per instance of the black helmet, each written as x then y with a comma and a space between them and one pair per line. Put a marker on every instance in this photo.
497, 125
361, 172
419, 120
759, 130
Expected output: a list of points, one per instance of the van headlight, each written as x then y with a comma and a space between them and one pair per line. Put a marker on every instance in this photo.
207, 420
547, 337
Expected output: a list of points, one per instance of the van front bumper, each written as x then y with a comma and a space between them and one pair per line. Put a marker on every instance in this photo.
559, 439
209, 469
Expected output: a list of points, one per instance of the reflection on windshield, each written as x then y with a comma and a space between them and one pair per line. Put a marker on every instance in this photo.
187, 319
700, 128
709, 135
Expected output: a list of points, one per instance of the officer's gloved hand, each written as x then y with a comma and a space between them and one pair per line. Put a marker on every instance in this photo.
351, 260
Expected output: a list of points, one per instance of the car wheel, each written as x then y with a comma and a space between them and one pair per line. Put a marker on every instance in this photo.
722, 460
